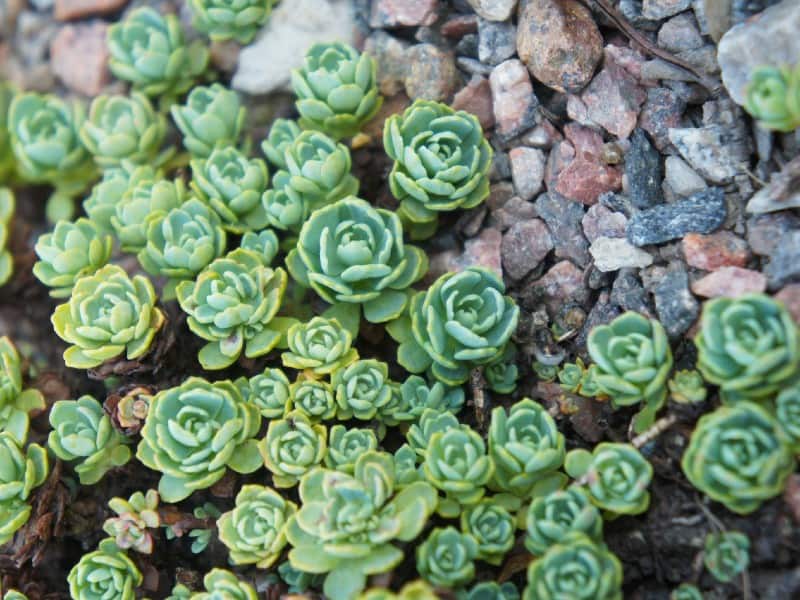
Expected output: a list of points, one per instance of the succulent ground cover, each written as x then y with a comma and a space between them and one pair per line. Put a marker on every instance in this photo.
326, 343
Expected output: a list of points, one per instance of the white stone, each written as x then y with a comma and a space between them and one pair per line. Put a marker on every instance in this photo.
612, 254
493, 10
294, 26
681, 178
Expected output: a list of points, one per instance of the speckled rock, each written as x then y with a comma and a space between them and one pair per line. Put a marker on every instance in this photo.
559, 42
731, 282
660, 9
564, 220
784, 264
389, 53
481, 251
703, 212
586, 178
704, 149
629, 294
661, 111
612, 254
496, 41
476, 98
680, 33
710, 252
513, 99
681, 178
764, 232
643, 172
432, 73
66, 10
403, 13
524, 246
527, 171
494, 10
563, 282
676, 308
79, 57
781, 193
600, 221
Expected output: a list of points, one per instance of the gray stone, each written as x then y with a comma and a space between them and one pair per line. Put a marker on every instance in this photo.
431, 74
784, 264
602, 313
473, 66
513, 211
770, 38
681, 178
293, 27
701, 213
660, 9
705, 150
643, 172
403, 13
389, 53
481, 251
704, 59
599, 221
524, 246
661, 69
661, 111
629, 294
676, 308
612, 254
513, 99
476, 98
764, 232
680, 33
527, 170
563, 282
496, 41
563, 218
468, 45
493, 10
781, 193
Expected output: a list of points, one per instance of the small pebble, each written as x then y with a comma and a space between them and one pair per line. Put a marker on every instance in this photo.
564, 220
730, 282
681, 178
612, 254
513, 99
496, 41
676, 308
715, 250
527, 171
643, 172
524, 246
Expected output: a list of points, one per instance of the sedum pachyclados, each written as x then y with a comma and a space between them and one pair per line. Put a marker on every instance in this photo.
7, 205
148, 50
255, 530
336, 89
353, 254
212, 116
447, 557
491, 590
220, 584
224, 20
787, 411
418, 395
347, 523
264, 243
231, 305
136, 516
182, 243
431, 421
633, 361
726, 554
441, 163
108, 314
687, 387
125, 128
7, 93
15, 402
232, 185
748, 346
268, 391
346, 444
576, 568
82, 431
292, 447
413, 590
616, 477
21, 470
686, 591
281, 135
194, 431
461, 322
105, 573
319, 347
314, 399
773, 97
362, 389
144, 201
101, 204
492, 527
737, 455
554, 515
73, 249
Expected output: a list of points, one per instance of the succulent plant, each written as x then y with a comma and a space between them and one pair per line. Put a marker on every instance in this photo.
105, 573
268, 391
570, 376
456, 463
589, 387
180, 592
221, 584
394, 412
254, 531
633, 360
125, 128
146, 201
182, 243
297, 580
362, 389
7, 93
232, 185
101, 204
292, 447
83, 431
108, 314
135, 517
15, 402
576, 568
73, 249
319, 347
726, 554
20, 472
286, 208
346, 524
616, 475
502, 374
14, 595
447, 557
7, 205
492, 527
413, 590
405, 466
418, 395
737, 455
231, 305
545, 372
211, 116
773, 97
553, 516
148, 50
461, 322
225, 21
336, 89
787, 412
526, 448
264, 243
491, 590
313, 398
748, 346
353, 254
194, 431
131, 408
281, 135
686, 591
431, 421
346, 444
687, 387
441, 163
201, 536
